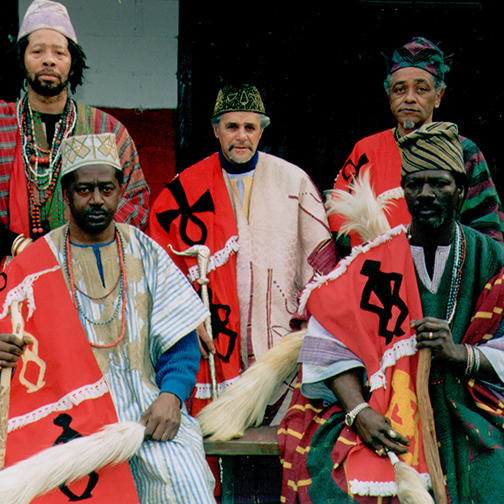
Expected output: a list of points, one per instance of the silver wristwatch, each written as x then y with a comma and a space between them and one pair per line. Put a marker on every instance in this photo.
352, 414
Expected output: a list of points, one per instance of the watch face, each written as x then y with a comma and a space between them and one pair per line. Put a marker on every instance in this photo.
348, 419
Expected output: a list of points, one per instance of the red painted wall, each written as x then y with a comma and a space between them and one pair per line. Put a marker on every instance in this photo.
153, 132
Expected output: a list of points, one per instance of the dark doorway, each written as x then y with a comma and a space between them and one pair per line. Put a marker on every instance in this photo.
9, 26
320, 68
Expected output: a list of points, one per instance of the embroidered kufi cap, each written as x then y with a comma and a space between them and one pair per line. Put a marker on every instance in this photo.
47, 14
84, 150
242, 98
422, 53
433, 146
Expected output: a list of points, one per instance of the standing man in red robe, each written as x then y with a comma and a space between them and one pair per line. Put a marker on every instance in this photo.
265, 225
415, 86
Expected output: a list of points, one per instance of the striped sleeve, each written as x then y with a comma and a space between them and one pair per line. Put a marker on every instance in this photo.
177, 308
134, 204
8, 133
323, 357
482, 208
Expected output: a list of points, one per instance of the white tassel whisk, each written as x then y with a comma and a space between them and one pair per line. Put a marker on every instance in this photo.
244, 403
363, 212
64, 463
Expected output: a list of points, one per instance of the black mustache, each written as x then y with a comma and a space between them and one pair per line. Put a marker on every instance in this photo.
428, 206
103, 213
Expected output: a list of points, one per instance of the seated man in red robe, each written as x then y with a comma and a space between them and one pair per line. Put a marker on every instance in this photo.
435, 285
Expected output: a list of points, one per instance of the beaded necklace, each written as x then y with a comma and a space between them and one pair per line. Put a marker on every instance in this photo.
42, 180
456, 276
121, 298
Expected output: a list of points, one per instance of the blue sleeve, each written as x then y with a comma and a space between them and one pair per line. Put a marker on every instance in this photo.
176, 368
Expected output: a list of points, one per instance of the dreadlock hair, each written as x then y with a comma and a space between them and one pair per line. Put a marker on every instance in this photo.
78, 65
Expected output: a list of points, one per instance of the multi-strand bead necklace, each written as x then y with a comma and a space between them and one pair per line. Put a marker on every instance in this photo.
456, 276
42, 166
121, 298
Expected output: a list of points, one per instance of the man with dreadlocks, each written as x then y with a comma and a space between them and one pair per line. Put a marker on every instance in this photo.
31, 132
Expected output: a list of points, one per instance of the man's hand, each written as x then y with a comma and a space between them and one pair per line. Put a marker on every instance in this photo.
377, 434
162, 418
435, 334
206, 343
10, 350
372, 427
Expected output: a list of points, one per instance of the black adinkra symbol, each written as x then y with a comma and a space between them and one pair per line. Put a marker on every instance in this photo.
64, 420
187, 213
351, 171
386, 288
219, 315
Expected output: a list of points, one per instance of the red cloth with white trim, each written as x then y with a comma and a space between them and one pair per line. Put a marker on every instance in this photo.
369, 308
57, 389
380, 155
195, 208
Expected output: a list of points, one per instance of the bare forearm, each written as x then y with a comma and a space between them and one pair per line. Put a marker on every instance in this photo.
347, 387
372, 427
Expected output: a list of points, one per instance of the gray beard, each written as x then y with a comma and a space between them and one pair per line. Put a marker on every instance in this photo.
408, 124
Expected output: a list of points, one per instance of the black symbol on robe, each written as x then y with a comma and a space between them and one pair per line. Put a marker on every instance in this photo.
350, 171
386, 287
3, 281
219, 326
187, 213
68, 434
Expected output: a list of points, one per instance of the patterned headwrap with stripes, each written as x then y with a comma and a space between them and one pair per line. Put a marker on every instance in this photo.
433, 146
421, 53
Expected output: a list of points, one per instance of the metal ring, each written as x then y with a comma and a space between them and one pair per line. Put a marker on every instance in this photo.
431, 336
379, 452
392, 434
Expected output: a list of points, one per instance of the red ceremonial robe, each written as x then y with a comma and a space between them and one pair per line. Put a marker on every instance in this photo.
57, 390
195, 208
367, 303
381, 150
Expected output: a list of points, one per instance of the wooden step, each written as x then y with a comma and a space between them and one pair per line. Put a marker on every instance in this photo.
255, 441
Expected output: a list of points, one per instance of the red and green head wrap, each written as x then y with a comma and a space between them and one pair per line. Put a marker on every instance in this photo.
421, 53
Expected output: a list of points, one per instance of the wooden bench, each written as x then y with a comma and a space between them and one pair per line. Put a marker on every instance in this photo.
256, 442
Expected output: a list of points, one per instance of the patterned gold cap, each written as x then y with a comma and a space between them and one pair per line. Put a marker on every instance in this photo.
433, 146
83, 150
243, 98
47, 14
